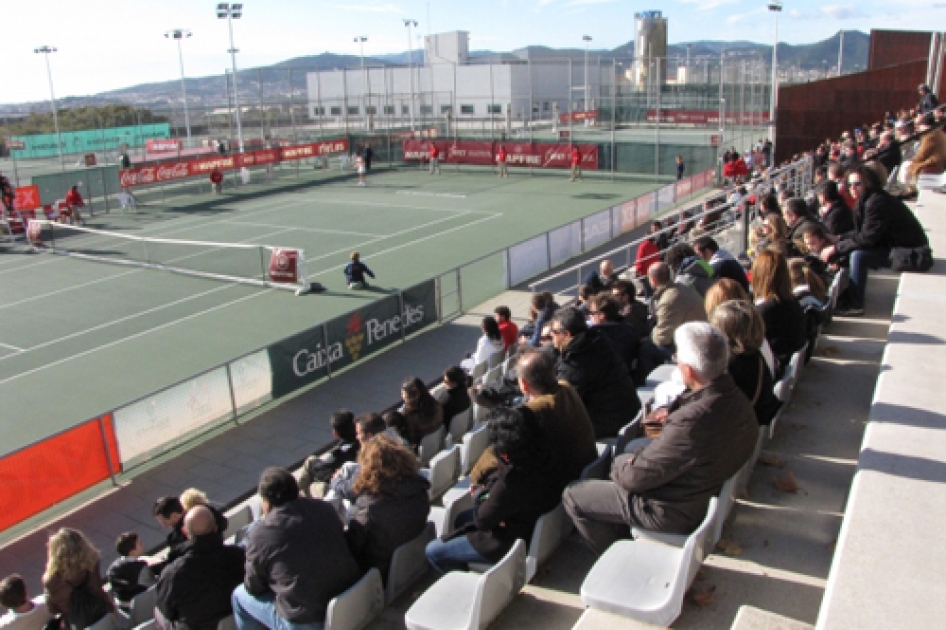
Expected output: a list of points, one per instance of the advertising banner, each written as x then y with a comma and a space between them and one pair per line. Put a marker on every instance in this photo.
591, 114
629, 215
159, 146
538, 155
305, 358
706, 117
684, 187
284, 265
27, 198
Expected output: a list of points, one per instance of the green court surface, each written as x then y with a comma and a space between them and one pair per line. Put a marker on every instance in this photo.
79, 338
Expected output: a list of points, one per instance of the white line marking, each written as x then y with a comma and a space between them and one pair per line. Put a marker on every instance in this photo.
136, 335
430, 194
6, 345
378, 204
302, 229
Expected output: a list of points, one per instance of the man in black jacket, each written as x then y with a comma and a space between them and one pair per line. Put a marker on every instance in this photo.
169, 512
194, 590
588, 362
624, 337
297, 559
454, 397
319, 469
601, 279
723, 263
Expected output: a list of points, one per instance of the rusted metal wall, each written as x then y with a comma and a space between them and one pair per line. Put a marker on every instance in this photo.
891, 48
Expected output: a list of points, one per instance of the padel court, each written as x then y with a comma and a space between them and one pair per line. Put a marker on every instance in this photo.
79, 337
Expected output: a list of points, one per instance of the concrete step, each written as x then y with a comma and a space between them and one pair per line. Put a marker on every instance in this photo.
752, 618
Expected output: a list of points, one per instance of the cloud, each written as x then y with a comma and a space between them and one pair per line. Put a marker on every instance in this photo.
578, 3
365, 8
830, 11
707, 5
737, 18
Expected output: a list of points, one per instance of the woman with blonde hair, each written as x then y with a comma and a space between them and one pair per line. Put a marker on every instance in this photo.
392, 505
807, 286
192, 497
723, 290
784, 319
73, 563
774, 234
745, 331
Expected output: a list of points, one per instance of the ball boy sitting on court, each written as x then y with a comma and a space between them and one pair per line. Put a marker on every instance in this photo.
355, 272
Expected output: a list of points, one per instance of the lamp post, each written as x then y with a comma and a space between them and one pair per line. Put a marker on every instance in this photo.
587, 40
360, 40
231, 12
776, 8
45, 50
841, 52
179, 34
410, 65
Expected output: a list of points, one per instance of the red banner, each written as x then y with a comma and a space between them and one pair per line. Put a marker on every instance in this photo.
684, 187
27, 198
591, 114
284, 266
180, 169
517, 154
706, 117
159, 146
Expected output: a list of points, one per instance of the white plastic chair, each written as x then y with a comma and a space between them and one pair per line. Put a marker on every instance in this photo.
454, 504
430, 445
646, 580
600, 468
237, 521
551, 528
142, 606
408, 564
444, 471
460, 424
358, 606
470, 601
474, 443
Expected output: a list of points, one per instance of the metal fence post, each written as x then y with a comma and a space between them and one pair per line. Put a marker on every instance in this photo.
328, 362
438, 287
108, 452
233, 403
507, 260
548, 250
400, 306
459, 293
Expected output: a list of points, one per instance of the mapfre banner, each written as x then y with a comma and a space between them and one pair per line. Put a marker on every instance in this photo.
192, 167
537, 155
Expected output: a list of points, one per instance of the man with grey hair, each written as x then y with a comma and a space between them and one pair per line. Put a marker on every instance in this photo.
708, 433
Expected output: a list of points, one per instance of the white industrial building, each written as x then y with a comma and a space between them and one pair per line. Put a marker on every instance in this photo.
448, 84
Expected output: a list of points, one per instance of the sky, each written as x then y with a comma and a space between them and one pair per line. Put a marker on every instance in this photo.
110, 44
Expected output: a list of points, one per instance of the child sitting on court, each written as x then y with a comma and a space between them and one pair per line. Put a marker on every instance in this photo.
355, 272
124, 573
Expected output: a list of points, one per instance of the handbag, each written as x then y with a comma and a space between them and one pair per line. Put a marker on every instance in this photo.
915, 259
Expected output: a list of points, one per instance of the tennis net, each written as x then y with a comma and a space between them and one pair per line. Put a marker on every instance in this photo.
245, 263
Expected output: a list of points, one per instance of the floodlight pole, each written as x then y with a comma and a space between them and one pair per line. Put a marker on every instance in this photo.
410, 65
232, 12
179, 34
586, 39
52, 100
841, 52
776, 8
360, 40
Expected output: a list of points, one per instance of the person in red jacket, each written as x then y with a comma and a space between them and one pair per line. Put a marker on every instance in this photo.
434, 154
74, 202
576, 163
501, 161
740, 169
216, 180
648, 253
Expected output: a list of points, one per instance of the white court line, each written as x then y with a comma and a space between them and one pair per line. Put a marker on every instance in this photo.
302, 229
118, 275
135, 336
6, 345
430, 194
379, 204
120, 320
419, 240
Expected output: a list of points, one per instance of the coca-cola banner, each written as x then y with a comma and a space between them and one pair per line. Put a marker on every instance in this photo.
166, 144
193, 167
537, 155
706, 117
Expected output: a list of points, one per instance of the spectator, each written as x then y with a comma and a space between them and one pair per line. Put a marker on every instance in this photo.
625, 338
396, 425
194, 591
744, 329
681, 167
73, 564
216, 180
807, 286
507, 327
836, 175
489, 344
601, 279
783, 317
795, 213
880, 223
723, 291
320, 468
391, 507
723, 263
633, 311
510, 500
454, 397
773, 235
708, 433
689, 268
297, 560
367, 426
75, 202
22, 613
424, 414
930, 157
355, 272
834, 211
124, 573
169, 513
192, 497
585, 293
888, 151
541, 311
928, 101
648, 252
672, 305
588, 363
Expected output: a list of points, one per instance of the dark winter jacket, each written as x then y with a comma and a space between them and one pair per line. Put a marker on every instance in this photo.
624, 338
725, 265
881, 220
784, 327
838, 219
744, 369
453, 401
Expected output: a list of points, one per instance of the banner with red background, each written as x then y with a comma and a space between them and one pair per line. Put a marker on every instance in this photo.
538, 155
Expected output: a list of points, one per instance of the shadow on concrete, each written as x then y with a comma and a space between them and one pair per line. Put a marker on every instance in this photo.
921, 339
909, 466
907, 416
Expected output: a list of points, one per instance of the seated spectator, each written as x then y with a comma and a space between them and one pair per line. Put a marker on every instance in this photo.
367, 426
391, 507
633, 311
510, 500
541, 309
881, 222
169, 513
424, 414
489, 344
559, 411
807, 287
689, 268
194, 591
585, 293
930, 157
723, 291
795, 214
783, 317
625, 338
601, 279
397, 426
588, 363
22, 613
648, 252
192, 497
744, 329
454, 397
773, 235
297, 560
672, 305
708, 434
723, 263
816, 241
834, 211
320, 468
73, 563
507, 327
124, 573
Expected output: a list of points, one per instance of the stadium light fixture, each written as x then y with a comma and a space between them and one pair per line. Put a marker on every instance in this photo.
410, 64
46, 50
587, 40
230, 12
776, 8
360, 40
181, 34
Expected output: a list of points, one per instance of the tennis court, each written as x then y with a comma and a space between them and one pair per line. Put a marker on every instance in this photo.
78, 338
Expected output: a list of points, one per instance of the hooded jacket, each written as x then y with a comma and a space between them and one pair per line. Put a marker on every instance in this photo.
725, 265
697, 274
